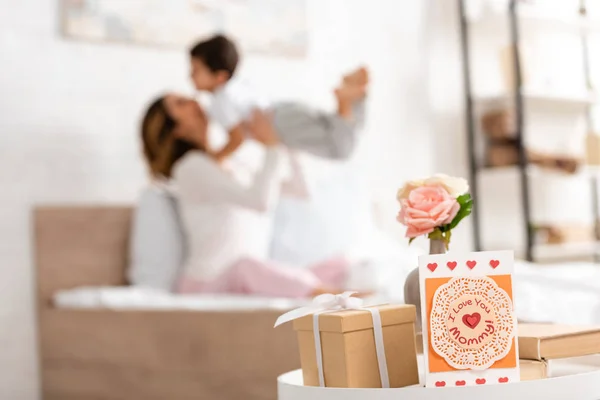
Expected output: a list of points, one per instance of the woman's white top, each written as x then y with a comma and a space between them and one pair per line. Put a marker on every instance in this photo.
225, 217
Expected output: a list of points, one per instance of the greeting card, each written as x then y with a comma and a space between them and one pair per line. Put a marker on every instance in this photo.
469, 323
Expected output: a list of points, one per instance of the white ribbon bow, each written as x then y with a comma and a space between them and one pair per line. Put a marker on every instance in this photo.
334, 302
323, 302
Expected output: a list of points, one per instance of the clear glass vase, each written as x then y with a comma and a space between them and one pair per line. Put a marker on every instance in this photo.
412, 293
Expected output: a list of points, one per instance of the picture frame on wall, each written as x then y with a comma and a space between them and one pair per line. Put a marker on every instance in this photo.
270, 27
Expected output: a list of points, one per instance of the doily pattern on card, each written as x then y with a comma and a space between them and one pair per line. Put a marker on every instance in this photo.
472, 324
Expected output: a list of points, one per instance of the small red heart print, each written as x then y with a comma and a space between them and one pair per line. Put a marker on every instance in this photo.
432, 266
480, 381
471, 264
461, 383
451, 265
503, 380
471, 320
440, 384
494, 263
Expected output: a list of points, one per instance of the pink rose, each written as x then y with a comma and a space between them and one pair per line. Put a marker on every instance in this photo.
426, 208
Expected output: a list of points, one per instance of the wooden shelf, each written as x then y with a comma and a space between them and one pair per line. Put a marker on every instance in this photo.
562, 101
565, 250
535, 170
537, 19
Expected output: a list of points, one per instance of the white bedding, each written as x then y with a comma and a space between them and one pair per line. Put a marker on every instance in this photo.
566, 293
139, 298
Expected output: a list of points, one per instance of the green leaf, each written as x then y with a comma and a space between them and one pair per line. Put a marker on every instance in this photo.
436, 234
411, 240
466, 207
464, 198
448, 237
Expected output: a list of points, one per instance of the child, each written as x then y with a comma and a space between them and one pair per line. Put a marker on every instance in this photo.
327, 135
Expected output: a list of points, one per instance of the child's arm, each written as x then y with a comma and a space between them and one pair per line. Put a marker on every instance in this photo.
236, 138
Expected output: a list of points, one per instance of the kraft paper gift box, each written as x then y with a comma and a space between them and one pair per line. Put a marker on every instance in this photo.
348, 347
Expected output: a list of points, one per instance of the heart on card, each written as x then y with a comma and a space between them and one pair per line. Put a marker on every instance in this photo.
503, 380
440, 384
480, 381
432, 266
471, 320
461, 383
494, 263
471, 264
451, 265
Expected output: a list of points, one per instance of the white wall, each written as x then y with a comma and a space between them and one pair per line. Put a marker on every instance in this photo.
70, 110
446, 101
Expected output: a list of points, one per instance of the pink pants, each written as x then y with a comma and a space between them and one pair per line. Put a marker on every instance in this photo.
267, 278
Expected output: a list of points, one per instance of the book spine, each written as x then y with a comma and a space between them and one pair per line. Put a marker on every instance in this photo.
529, 349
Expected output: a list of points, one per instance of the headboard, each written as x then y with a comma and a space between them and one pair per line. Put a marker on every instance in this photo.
79, 245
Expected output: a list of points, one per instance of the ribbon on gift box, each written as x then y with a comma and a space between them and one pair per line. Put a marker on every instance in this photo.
327, 303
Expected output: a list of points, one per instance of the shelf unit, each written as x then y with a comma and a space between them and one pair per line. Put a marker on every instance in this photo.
571, 101
534, 17
517, 100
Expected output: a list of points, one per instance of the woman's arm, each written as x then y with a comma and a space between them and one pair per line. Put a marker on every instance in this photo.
201, 180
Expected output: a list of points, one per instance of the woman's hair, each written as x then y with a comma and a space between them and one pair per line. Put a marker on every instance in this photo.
161, 148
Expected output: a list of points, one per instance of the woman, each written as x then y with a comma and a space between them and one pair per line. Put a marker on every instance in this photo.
227, 220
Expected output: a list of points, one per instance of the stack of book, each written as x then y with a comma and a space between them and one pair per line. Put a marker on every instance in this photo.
539, 344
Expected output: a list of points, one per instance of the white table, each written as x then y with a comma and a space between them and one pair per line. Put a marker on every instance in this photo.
572, 379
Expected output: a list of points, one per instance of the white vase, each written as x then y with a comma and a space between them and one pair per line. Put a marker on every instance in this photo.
412, 294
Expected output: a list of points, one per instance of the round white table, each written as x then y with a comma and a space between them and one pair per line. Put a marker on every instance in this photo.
572, 379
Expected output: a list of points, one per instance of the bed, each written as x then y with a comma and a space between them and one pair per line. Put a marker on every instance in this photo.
133, 353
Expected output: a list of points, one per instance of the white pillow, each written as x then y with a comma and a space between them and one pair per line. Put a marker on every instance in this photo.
157, 243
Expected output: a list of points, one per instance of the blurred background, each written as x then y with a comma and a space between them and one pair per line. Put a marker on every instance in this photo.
77, 76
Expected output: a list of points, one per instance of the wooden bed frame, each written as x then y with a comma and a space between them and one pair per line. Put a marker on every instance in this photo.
118, 355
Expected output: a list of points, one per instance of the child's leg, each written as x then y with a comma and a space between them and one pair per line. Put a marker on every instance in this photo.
326, 135
332, 136
358, 113
359, 77
351, 95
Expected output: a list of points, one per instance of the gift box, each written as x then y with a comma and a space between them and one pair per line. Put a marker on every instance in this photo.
348, 347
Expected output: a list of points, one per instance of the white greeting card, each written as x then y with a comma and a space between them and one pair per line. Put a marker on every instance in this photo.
469, 323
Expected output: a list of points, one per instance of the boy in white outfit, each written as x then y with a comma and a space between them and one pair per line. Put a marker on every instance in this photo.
327, 135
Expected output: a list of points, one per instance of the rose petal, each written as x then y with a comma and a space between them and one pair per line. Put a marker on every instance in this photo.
421, 223
442, 208
452, 213
415, 213
413, 232
427, 207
